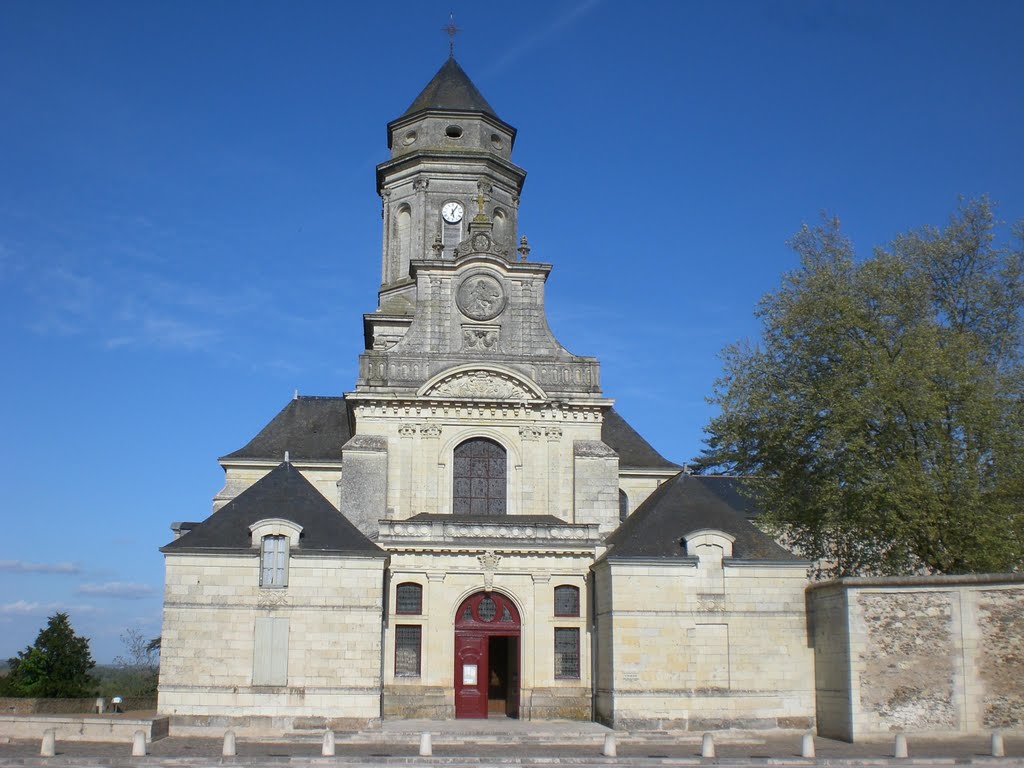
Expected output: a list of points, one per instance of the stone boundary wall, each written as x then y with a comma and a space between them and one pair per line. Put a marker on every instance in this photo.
920, 654
89, 728
13, 705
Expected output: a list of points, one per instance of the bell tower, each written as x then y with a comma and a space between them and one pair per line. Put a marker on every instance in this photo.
450, 163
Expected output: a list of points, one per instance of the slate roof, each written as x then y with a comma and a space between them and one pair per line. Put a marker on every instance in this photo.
634, 452
309, 428
687, 503
282, 493
451, 90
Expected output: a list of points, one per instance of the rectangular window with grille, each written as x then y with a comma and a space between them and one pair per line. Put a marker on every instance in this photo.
407, 650
567, 601
567, 653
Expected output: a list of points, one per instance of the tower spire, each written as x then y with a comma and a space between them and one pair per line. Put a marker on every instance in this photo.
451, 31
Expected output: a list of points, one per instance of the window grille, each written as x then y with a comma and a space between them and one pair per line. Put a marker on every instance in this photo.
487, 609
479, 476
567, 653
409, 599
407, 650
567, 601
274, 561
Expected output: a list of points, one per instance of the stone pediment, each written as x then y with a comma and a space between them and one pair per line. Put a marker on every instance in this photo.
481, 383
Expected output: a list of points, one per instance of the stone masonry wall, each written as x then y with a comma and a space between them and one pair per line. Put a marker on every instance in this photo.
928, 654
908, 661
1001, 662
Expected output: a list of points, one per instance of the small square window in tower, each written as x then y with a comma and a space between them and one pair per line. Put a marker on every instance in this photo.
479, 478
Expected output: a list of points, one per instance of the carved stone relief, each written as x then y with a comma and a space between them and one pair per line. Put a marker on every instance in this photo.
480, 297
484, 384
480, 337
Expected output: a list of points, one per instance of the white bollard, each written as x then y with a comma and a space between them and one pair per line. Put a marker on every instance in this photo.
900, 747
49, 746
998, 750
609, 745
139, 744
707, 746
807, 745
229, 744
328, 748
426, 744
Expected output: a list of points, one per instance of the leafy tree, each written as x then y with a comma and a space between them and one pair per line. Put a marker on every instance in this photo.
881, 416
56, 666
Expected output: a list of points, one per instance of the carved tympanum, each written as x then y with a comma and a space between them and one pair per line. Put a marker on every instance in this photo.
481, 384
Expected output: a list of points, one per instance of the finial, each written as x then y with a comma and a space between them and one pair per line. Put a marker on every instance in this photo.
452, 31
287, 458
296, 395
524, 247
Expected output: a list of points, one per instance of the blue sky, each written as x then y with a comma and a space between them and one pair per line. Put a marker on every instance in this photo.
189, 229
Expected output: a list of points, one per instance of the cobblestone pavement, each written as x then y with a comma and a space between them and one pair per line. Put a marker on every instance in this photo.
773, 749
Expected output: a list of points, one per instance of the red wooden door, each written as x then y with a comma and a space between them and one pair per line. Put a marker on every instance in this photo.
480, 617
470, 675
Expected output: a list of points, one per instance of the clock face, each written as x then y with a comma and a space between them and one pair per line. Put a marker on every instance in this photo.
452, 213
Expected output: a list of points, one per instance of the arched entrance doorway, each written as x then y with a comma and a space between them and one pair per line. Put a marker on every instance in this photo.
487, 629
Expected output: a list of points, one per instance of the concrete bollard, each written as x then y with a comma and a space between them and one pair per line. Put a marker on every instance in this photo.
998, 750
328, 748
900, 747
49, 746
707, 746
426, 744
609, 745
807, 745
229, 744
139, 744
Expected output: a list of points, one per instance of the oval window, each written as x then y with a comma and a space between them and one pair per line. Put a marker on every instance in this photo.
453, 131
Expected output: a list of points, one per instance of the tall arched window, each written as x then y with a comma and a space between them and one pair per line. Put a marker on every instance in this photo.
480, 478
623, 505
403, 239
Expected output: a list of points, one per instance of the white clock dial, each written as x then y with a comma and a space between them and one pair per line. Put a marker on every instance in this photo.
452, 213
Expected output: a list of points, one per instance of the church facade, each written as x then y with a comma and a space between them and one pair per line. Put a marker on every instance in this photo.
473, 531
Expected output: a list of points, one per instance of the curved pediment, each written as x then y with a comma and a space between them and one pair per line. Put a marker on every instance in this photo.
481, 382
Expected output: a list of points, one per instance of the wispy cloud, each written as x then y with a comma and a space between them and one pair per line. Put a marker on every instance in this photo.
523, 46
121, 590
23, 566
26, 608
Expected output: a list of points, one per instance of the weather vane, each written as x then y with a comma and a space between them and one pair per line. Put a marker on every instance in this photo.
452, 31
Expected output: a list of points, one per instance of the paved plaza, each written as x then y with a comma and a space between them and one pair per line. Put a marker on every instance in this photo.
480, 743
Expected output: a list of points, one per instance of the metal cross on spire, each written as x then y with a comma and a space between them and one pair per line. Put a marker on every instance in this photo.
452, 31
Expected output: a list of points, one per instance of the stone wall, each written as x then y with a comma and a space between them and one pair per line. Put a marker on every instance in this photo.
329, 654
690, 646
13, 705
930, 654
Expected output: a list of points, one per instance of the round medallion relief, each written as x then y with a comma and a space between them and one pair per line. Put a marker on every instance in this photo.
480, 297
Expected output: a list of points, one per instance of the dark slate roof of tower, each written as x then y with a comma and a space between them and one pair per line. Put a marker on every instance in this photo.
634, 452
688, 503
451, 90
309, 428
282, 493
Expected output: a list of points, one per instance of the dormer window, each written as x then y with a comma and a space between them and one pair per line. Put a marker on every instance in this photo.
275, 538
274, 561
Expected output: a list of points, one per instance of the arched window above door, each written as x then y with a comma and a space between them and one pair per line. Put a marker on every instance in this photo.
480, 478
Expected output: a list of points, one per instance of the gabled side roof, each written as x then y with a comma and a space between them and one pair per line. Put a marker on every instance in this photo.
634, 452
283, 493
688, 503
309, 428
451, 90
